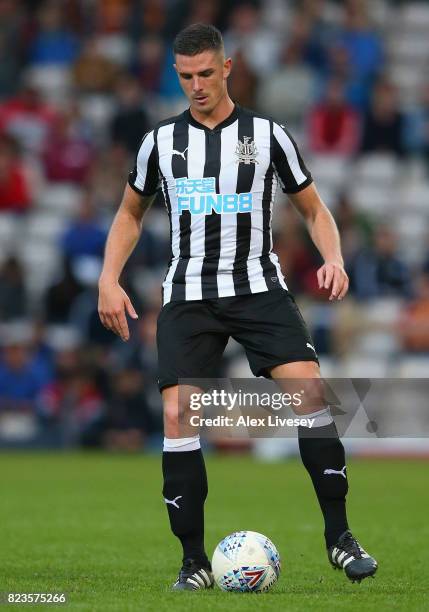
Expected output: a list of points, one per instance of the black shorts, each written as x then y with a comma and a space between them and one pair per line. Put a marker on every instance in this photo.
192, 335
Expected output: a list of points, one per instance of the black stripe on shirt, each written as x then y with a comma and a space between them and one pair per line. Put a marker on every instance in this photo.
213, 221
245, 176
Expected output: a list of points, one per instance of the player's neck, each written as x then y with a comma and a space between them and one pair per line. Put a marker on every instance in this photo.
221, 112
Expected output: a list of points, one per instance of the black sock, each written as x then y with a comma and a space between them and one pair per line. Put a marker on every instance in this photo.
185, 488
321, 449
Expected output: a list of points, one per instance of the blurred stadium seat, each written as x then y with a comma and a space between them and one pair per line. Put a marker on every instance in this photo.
376, 168
357, 366
413, 367
377, 199
44, 227
60, 199
10, 232
331, 170
41, 261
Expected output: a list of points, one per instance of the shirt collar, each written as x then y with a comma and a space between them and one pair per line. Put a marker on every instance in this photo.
228, 121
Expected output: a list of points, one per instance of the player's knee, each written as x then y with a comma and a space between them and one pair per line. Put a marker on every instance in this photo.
174, 416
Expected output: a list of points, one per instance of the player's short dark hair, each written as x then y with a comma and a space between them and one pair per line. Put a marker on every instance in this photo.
196, 38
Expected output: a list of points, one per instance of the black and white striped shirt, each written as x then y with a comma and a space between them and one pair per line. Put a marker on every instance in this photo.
219, 187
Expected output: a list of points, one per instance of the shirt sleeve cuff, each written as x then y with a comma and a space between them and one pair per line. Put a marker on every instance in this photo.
143, 192
299, 187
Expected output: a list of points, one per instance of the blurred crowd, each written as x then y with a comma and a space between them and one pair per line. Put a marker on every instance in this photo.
81, 81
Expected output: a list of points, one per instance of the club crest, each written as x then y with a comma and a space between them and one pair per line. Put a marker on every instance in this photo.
246, 151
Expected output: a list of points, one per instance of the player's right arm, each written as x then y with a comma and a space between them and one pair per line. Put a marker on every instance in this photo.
121, 241
113, 302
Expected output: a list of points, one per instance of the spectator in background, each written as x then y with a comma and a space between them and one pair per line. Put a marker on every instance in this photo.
287, 94
169, 86
414, 321
13, 294
316, 32
416, 133
246, 32
61, 295
152, 251
378, 271
12, 29
149, 30
355, 227
362, 48
363, 44
357, 93
84, 313
243, 82
93, 72
147, 341
128, 418
68, 155
14, 192
74, 400
43, 352
148, 62
28, 119
85, 235
333, 125
21, 376
53, 42
130, 122
69, 357
149, 18
107, 177
112, 39
203, 11
83, 244
140, 353
112, 15
383, 124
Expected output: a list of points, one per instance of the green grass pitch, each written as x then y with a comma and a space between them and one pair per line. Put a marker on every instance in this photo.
95, 527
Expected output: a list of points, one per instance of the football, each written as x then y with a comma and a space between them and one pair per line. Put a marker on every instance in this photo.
246, 561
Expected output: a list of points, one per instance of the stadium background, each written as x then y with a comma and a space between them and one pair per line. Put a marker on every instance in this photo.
82, 80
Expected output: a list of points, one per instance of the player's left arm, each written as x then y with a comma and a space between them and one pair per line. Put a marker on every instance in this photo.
324, 233
296, 181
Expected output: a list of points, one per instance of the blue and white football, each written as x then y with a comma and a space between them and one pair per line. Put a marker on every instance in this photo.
246, 561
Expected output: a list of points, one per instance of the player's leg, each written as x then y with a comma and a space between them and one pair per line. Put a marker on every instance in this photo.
190, 345
320, 446
184, 473
278, 345
322, 454
185, 487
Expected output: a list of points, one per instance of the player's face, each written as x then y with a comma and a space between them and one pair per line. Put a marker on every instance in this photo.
203, 78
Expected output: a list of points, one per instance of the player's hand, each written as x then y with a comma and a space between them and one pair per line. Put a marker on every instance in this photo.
113, 303
332, 274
